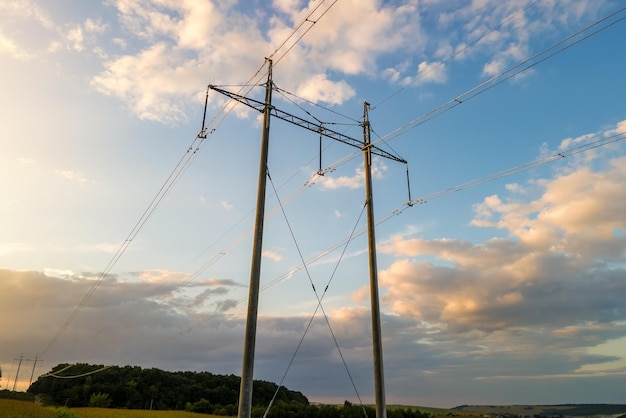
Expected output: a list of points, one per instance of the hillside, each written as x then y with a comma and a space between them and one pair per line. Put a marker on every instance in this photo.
132, 387
567, 410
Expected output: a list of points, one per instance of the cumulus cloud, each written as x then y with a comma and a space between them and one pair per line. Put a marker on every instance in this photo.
434, 72
45, 35
555, 279
356, 181
319, 89
350, 182
180, 46
535, 302
161, 54
129, 320
27, 9
499, 32
140, 304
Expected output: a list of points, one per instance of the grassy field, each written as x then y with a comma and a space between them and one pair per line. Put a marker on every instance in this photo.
134, 413
10, 408
22, 409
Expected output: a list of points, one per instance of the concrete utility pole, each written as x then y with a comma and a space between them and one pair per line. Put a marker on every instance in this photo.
379, 376
245, 390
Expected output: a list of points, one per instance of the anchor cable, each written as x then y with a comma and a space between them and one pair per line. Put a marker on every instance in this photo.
319, 301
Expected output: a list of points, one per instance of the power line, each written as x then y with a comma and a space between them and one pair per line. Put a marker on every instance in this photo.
508, 74
553, 157
457, 53
286, 93
186, 160
556, 156
173, 177
306, 19
56, 374
496, 80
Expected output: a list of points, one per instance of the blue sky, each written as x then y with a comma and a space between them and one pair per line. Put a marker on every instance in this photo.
508, 292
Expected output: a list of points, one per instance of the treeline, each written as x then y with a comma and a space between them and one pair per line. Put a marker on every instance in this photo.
18, 396
132, 387
136, 388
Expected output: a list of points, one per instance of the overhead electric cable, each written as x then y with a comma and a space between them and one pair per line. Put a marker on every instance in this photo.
285, 93
223, 252
277, 60
457, 53
587, 146
559, 155
495, 80
165, 188
126, 243
57, 376
298, 26
167, 185
507, 74
597, 143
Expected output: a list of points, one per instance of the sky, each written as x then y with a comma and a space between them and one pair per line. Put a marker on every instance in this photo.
126, 238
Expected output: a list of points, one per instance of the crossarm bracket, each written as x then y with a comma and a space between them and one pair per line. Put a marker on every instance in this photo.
311, 126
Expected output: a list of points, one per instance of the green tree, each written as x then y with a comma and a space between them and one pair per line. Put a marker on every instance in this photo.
99, 400
202, 406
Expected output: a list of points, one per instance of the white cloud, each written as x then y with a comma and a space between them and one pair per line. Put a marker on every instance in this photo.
183, 44
74, 176
272, 255
332, 183
226, 205
95, 26
500, 32
148, 83
44, 36
434, 72
172, 49
329, 182
8, 46
27, 9
75, 37
319, 88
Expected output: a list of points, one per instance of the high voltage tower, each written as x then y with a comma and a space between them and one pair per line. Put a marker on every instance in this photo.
368, 149
268, 110
19, 366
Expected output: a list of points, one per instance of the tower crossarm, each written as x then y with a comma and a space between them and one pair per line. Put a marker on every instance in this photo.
303, 123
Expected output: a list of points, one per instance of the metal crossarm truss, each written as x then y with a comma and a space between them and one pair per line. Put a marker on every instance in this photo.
311, 126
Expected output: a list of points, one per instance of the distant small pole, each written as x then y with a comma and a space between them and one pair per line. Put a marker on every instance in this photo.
18, 371
33, 372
